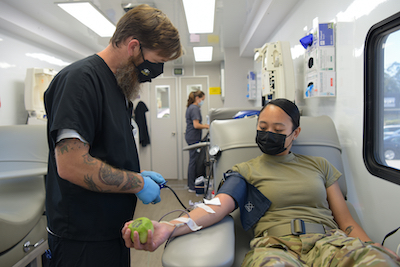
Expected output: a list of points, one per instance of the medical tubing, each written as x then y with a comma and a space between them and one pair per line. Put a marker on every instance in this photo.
389, 234
182, 211
176, 196
208, 180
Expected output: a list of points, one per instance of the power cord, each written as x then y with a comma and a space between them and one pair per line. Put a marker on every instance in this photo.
389, 234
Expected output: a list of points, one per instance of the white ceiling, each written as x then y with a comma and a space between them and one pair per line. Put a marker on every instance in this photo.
44, 22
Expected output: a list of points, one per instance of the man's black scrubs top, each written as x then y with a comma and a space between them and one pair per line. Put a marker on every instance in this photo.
85, 97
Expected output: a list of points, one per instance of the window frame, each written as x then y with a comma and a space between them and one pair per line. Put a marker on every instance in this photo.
373, 111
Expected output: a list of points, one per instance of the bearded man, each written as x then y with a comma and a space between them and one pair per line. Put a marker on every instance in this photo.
94, 176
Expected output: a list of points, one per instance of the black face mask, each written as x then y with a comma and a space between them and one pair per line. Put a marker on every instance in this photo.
271, 143
148, 71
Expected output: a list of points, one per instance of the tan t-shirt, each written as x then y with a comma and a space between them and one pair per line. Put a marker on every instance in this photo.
295, 184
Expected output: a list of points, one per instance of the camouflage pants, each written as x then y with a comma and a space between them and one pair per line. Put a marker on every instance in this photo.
331, 249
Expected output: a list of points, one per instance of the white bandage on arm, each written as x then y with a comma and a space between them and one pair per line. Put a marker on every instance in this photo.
214, 201
206, 205
175, 225
190, 223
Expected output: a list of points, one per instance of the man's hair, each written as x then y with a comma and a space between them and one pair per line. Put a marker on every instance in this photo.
152, 28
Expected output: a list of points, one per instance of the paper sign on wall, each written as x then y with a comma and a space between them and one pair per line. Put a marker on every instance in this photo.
215, 90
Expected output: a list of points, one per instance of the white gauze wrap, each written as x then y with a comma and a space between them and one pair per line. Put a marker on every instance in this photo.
192, 225
214, 201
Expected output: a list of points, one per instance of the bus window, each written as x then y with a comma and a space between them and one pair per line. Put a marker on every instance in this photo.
391, 100
382, 100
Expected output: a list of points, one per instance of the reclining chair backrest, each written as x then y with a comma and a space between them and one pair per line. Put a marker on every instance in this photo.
227, 113
236, 139
27, 143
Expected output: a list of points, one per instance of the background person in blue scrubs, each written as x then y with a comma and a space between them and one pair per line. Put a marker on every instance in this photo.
193, 132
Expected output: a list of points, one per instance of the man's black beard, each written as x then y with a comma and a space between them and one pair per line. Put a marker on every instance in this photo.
127, 79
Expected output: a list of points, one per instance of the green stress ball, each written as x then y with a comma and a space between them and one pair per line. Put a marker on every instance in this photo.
141, 225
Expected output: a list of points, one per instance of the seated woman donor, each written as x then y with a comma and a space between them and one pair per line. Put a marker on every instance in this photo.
308, 189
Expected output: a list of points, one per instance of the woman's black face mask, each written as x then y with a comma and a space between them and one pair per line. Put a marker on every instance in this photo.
271, 143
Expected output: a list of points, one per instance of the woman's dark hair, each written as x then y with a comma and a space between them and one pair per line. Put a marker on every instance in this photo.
289, 107
193, 95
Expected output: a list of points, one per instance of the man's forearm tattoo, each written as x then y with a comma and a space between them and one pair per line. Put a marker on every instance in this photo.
132, 182
89, 160
91, 184
110, 177
349, 229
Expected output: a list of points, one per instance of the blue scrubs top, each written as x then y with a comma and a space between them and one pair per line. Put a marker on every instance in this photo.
192, 135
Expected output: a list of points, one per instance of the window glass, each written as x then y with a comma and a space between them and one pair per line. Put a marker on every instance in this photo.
162, 98
193, 88
381, 139
391, 100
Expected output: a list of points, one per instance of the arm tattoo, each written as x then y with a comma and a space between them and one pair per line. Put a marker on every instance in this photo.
89, 160
91, 184
63, 147
349, 229
108, 177
132, 182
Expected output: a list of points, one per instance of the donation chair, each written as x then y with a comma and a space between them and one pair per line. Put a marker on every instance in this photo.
219, 114
23, 166
226, 243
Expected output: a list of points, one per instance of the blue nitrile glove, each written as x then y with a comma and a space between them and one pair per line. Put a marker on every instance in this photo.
306, 41
154, 175
150, 192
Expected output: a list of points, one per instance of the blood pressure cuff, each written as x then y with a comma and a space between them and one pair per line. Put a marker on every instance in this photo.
251, 202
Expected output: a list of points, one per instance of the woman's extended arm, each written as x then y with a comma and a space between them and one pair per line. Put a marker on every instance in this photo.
343, 217
162, 231
342, 214
198, 125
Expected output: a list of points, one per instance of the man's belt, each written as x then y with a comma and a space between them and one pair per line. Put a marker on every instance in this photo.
298, 227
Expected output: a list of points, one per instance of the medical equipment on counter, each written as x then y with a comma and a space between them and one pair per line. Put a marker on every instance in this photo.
36, 82
277, 70
319, 61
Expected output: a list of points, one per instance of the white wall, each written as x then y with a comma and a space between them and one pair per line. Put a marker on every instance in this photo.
15, 57
236, 69
374, 199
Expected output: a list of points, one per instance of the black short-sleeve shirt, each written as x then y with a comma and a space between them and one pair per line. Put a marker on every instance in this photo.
85, 97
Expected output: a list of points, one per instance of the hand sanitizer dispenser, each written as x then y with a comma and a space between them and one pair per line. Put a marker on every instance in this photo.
36, 82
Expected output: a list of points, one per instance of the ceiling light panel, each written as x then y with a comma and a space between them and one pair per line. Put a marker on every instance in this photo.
200, 15
90, 16
202, 54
